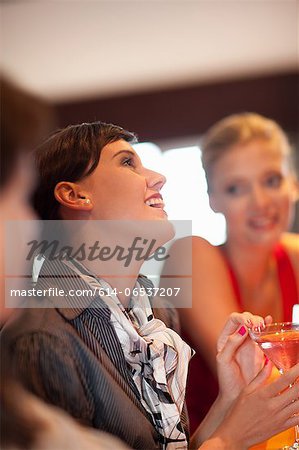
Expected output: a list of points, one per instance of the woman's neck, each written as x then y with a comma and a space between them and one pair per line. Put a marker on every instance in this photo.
252, 265
111, 260
258, 281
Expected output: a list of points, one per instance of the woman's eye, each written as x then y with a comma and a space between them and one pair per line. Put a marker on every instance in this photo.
128, 162
234, 189
274, 181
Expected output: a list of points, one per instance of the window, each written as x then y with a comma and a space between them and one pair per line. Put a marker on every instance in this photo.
185, 192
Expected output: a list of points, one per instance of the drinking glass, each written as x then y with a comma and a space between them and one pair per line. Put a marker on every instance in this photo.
280, 343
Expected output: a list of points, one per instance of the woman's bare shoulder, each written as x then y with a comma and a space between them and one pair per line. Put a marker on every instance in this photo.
207, 259
200, 248
204, 250
201, 243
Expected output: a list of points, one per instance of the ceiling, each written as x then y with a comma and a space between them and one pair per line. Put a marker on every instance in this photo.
66, 49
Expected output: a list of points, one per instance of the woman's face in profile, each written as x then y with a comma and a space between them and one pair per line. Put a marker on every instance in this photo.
253, 187
120, 188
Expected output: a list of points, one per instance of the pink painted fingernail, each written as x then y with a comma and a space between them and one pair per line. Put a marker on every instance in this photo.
242, 330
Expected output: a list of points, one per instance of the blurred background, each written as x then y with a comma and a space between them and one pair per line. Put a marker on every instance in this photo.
164, 69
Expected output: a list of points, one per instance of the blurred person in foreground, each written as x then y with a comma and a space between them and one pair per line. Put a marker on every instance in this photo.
109, 358
25, 421
252, 182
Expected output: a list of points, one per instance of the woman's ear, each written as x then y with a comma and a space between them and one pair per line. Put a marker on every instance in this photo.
71, 195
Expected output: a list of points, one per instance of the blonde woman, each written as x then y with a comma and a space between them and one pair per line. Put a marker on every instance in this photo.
251, 181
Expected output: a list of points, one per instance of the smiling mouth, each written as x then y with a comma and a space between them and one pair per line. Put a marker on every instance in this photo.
155, 202
261, 223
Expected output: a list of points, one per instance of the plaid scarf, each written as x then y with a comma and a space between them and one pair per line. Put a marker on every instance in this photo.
158, 359
157, 356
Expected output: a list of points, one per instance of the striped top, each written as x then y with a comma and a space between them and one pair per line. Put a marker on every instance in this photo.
65, 350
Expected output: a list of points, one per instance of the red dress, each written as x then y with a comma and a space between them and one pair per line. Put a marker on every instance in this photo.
202, 388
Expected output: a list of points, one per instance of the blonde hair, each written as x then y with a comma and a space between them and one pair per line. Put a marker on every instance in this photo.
240, 129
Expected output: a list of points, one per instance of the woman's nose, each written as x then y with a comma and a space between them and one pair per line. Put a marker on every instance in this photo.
155, 180
259, 197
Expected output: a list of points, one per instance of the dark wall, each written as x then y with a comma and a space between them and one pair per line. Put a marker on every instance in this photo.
189, 111
184, 111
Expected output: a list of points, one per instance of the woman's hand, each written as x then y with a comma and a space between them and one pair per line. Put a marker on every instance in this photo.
239, 359
246, 412
261, 411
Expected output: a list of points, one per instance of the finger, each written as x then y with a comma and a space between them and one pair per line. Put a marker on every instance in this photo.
268, 320
234, 322
227, 350
289, 396
245, 318
288, 419
254, 321
261, 377
293, 415
284, 381
290, 413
